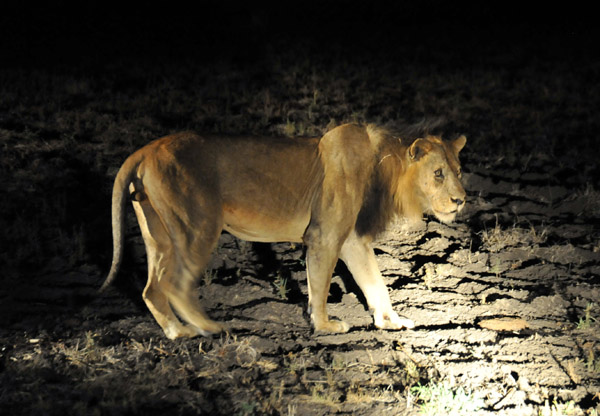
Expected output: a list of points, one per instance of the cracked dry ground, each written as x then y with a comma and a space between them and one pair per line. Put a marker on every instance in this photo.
503, 303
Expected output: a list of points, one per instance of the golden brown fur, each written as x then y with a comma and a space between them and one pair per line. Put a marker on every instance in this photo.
334, 194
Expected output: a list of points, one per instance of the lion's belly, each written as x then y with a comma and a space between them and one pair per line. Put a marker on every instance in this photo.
252, 225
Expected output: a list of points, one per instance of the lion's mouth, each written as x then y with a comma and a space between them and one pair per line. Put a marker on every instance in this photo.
448, 216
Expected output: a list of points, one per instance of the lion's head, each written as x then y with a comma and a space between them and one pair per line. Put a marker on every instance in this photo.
431, 181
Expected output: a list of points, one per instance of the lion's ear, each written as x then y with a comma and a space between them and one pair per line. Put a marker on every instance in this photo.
418, 149
459, 143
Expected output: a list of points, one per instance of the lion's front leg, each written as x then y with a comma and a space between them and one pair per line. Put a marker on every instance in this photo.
319, 267
361, 262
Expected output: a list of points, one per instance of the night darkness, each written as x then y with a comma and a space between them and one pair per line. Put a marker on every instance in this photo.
99, 32
505, 300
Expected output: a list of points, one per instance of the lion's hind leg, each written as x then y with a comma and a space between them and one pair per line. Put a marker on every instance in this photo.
193, 241
161, 263
156, 299
182, 294
184, 299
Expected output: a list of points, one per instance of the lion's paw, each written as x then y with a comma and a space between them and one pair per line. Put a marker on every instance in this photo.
392, 321
177, 330
332, 326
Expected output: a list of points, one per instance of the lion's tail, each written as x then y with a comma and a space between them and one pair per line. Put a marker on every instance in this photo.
119, 196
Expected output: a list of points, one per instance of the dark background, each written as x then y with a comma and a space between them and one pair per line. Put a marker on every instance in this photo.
65, 32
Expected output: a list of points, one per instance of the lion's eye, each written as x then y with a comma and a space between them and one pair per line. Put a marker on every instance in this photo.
439, 174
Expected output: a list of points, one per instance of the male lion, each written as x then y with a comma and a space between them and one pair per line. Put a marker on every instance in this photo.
334, 194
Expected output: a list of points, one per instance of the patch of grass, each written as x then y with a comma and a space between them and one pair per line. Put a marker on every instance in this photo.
281, 288
496, 266
587, 320
440, 399
293, 363
290, 128
592, 363
230, 349
291, 409
498, 238
430, 275
412, 372
87, 355
248, 409
558, 409
322, 395
208, 276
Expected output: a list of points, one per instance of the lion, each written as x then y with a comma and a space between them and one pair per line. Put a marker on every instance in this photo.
333, 194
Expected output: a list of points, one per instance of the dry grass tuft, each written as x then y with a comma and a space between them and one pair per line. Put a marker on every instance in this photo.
498, 238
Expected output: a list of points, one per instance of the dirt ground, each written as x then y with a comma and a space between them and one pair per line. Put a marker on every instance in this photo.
506, 301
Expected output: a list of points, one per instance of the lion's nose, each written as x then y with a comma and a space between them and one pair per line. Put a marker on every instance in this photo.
458, 201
